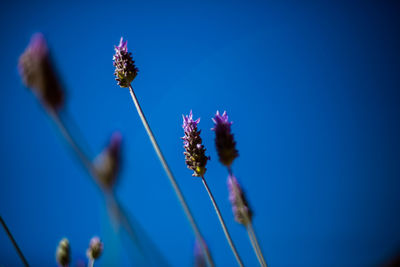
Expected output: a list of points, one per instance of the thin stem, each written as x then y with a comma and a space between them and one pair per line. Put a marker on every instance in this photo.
171, 178
91, 263
254, 243
119, 213
250, 230
10, 236
221, 220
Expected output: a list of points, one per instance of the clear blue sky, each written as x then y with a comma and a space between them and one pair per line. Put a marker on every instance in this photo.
312, 88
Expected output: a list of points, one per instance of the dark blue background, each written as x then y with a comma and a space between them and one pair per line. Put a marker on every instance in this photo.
312, 88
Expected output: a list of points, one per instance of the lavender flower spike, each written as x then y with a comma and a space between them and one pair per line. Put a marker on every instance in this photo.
107, 164
240, 208
224, 141
125, 69
37, 73
196, 159
63, 253
95, 248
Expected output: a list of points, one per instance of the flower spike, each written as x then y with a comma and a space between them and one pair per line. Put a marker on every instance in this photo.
63, 253
38, 73
107, 164
95, 248
224, 141
241, 210
196, 159
125, 69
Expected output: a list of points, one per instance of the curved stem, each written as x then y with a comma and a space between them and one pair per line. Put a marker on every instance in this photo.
221, 220
10, 236
171, 178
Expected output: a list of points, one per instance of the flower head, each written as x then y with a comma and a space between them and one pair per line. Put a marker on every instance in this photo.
37, 72
240, 208
224, 141
107, 164
125, 69
196, 159
63, 253
95, 248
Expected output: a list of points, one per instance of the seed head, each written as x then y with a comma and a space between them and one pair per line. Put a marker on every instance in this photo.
125, 69
196, 159
224, 141
38, 73
240, 208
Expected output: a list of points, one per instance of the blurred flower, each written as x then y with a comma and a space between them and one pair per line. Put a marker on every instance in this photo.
196, 159
38, 73
125, 69
200, 259
107, 164
95, 248
240, 208
63, 253
224, 139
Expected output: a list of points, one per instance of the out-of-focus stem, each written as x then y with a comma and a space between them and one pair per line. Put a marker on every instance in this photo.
221, 220
91, 263
171, 177
10, 236
254, 243
109, 195
251, 233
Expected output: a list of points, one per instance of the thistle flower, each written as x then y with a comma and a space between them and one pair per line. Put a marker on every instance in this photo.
196, 159
63, 253
224, 140
37, 73
107, 164
95, 248
125, 69
240, 208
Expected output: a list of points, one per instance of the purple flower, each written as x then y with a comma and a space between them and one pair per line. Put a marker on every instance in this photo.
224, 141
37, 73
95, 248
196, 159
107, 164
240, 208
63, 253
125, 69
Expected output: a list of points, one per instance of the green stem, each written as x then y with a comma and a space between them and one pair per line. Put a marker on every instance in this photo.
171, 178
10, 236
221, 220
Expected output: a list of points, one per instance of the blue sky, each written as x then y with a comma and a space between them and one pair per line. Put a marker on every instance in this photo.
312, 89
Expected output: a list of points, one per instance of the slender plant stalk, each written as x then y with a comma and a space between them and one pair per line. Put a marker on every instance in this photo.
221, 220
254, 243
119, 213
251, 233
172, 180
91, 263
10, 236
